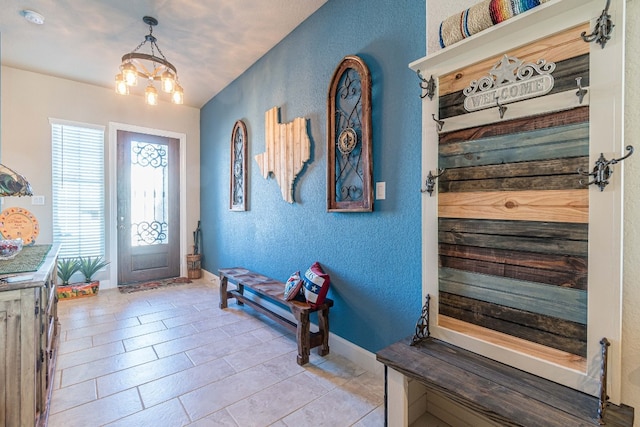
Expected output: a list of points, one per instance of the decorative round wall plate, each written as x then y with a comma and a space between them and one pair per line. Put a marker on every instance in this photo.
19, 223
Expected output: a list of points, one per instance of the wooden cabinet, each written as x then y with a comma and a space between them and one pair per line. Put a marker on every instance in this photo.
28, 342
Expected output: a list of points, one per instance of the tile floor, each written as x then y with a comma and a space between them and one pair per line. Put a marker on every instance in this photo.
170, 357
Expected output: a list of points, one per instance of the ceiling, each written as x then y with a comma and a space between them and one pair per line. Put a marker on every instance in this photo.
210, 42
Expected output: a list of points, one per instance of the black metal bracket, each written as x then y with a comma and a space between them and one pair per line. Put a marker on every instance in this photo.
501, 108
422, 326
581, 91
430, 183
604, 27
603, 399
428, 85
603, 170
439, 123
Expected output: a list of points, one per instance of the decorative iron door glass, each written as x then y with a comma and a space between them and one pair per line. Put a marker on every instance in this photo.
148, 208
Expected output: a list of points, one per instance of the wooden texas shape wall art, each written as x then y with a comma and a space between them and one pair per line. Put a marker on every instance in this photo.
288, 148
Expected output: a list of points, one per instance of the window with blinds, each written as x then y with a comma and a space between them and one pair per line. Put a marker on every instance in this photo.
78, 186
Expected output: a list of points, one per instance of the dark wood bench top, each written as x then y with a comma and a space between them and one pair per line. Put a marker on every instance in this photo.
268, 287
500, 392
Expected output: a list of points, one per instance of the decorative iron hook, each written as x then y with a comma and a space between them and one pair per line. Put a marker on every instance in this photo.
603, 398
604, 27
422, 326
581, 92
501, 108
431, 181
439, 123
430, 86
603, 169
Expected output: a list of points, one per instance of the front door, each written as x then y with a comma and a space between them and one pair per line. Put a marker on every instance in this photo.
148, 207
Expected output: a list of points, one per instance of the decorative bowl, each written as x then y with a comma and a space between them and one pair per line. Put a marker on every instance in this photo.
9, 248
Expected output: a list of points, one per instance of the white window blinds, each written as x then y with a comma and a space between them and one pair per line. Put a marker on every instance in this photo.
78, 189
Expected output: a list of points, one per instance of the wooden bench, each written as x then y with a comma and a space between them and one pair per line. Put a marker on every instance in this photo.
501, 393
273, 291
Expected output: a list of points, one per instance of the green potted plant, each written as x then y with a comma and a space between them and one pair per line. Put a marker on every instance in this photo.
67, 267
88, 266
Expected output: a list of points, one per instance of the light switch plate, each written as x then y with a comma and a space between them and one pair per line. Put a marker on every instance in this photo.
381, 190
37, 200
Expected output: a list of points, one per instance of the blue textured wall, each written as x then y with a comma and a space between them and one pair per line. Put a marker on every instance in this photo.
374, 259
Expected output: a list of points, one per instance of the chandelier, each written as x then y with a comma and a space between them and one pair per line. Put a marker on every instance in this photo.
157, 68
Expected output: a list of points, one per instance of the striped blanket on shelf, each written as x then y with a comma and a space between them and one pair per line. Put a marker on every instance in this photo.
480, 17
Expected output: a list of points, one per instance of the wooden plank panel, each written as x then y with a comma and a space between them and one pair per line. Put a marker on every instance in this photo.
543, 261
550, 167
524, 124
552, 325
565, 141
552, 230
531, 244
553, 206
566, 279
555, 48
555, 174
504, 319
452, 104
563, 303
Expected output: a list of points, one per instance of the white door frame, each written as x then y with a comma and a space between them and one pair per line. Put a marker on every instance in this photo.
112, 200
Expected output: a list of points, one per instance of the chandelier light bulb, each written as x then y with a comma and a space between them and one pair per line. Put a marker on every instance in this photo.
130, 74
151, 95
121, 85
168, 81
177, 97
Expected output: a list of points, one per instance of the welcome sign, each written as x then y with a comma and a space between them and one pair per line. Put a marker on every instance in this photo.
509, 80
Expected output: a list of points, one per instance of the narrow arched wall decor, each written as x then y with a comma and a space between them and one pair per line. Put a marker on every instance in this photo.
238, 175
349, 165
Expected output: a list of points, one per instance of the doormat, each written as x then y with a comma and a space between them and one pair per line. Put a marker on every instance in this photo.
145, 286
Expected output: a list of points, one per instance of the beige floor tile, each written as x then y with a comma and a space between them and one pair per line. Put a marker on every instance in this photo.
215, 396
141, 374
98, 412
143, 308
167, 314
100, 328
158, 337
122, 334
65, 347
83, 321
182, 382
167, 414
80, 373
374, 418
75, 395
88, 355
191, 317
285, 366
218, 349
218, 419
271, 404
336, 408
261, 353
190, 342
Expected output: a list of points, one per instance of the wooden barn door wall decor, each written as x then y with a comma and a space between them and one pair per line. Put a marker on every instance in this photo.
349, 163
521, 257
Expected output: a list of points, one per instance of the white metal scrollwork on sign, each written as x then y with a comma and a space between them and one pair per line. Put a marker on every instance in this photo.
510, 80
